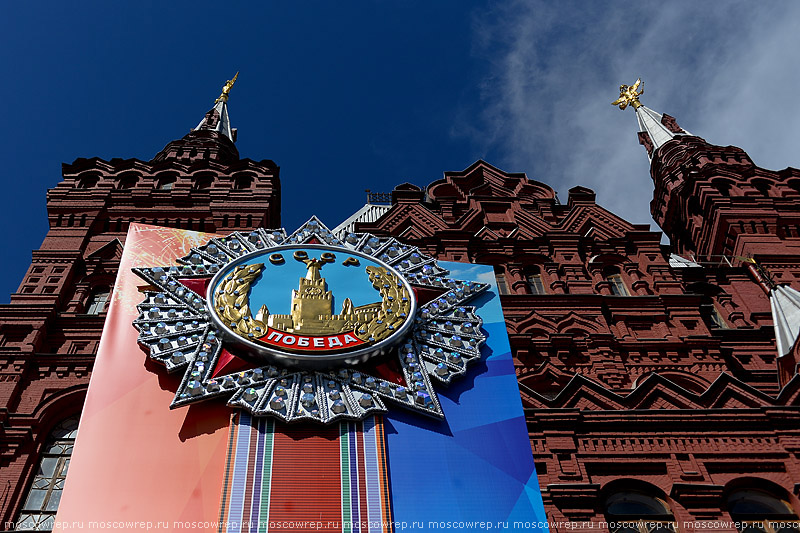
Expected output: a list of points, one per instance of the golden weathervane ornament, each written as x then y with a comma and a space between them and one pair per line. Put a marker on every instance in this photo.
629, 96
226, 89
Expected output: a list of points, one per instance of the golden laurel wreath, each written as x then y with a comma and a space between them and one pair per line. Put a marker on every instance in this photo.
232, 303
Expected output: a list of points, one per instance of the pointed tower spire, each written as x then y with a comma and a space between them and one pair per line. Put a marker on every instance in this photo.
784, 302
217, 118
655, 129
211, 140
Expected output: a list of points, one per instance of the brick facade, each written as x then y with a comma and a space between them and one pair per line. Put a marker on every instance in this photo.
48, 336
635, 373
673, 388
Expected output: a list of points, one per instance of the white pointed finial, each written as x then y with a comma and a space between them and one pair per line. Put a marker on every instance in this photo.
653, 126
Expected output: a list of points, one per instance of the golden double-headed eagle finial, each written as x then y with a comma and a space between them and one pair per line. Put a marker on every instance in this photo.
629, 96
226, 89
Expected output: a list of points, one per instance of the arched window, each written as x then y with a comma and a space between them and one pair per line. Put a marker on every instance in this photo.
502, 288
203, 182
97, 302
615, 281
166, 184
633, 511
534, 280
41, 505
723, 186
759, 511
128, 181
762, 186
87, 181
794, 184
242, 182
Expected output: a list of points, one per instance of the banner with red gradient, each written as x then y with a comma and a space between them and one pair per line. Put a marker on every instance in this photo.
138, 465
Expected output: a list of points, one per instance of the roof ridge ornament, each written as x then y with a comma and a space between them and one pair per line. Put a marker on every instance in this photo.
226, 89
629, 96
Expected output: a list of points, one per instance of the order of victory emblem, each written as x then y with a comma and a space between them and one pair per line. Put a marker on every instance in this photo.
310, 327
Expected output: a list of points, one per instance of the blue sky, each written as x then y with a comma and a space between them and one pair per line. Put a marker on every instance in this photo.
347, 96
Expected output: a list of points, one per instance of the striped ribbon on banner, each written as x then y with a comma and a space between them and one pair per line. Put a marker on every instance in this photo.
282, 477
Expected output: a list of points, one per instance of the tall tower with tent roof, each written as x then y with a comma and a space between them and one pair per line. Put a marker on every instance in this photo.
50, 331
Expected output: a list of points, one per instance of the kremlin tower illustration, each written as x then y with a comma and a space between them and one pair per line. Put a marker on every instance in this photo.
312, 308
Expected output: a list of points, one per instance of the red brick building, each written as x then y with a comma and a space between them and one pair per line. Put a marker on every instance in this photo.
654, 388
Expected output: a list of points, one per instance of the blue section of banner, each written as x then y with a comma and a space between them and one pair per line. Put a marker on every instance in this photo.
473, 471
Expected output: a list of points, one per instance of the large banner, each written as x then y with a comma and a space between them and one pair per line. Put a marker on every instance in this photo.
294, 382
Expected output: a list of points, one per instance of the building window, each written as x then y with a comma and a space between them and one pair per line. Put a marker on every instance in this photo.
535, 283
166, 184
203, 182
637, 512
97, 302
716, 318
40, 507
502, 288
87, 182
723, 186
617, 284
128, 182
759, 511
242, 182
762, 186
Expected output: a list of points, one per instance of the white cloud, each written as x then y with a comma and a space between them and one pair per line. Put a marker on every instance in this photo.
726, 70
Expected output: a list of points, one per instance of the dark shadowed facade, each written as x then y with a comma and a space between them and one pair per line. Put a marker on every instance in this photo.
655, 390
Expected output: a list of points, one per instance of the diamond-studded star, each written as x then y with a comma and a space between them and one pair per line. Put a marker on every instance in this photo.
181, 328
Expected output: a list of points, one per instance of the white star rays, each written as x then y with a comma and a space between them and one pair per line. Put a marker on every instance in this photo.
175, 327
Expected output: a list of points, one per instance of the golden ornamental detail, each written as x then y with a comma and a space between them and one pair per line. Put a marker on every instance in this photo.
629, 96
394, 308
311, 306
226, 89
233, 302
